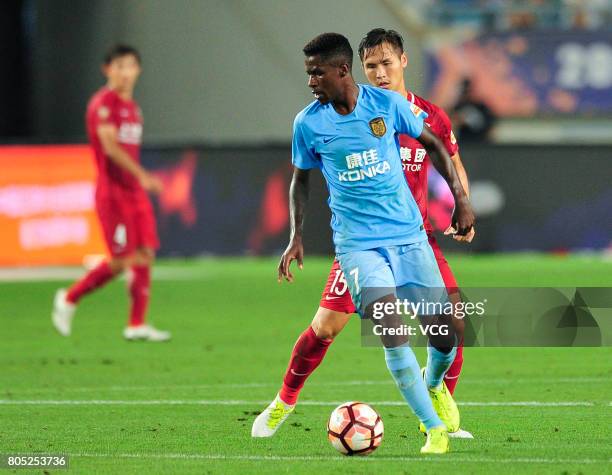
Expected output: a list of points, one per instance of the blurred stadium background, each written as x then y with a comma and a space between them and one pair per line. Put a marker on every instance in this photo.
528, 84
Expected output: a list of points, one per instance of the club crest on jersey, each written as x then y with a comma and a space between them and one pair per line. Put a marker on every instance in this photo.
378, 127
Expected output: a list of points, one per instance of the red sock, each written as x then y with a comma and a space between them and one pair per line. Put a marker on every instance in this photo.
139, 285
452, 375
307, 354
91, 281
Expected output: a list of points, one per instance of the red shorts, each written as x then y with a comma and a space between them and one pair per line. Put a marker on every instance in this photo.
127, 224
336, 296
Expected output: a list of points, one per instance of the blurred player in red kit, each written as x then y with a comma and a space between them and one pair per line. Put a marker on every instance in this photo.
114, 128
383, 60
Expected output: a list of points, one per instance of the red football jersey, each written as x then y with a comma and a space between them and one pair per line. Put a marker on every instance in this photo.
106, 107
415, 160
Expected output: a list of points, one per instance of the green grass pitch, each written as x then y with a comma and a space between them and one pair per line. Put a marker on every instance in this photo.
187, 406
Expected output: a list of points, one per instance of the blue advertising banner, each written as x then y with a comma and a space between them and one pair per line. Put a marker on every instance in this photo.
520, 74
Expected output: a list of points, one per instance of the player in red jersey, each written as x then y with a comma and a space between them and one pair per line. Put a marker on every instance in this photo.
114, 128
383, 59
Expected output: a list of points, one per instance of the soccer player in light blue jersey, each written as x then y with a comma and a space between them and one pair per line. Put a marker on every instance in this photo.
350, 134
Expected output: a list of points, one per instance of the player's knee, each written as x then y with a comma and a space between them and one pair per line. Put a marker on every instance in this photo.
444, 344
117, 265
324, 331
458, 320
327, 324
143, 257
459, 328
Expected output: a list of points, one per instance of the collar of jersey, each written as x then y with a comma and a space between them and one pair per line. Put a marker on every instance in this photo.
353, 114
125, 101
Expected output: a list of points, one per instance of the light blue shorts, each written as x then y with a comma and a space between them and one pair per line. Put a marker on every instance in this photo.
409, 272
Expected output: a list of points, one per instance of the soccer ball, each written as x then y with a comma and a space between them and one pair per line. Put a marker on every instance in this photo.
354, 428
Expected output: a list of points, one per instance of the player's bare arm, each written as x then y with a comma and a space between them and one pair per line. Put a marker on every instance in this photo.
463, 216
298, 197
107, 133
463, 178
456, 159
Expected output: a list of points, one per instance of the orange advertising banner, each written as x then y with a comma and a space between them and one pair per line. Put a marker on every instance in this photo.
47, 207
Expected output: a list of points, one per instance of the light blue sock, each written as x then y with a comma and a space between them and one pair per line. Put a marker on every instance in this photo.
405, 370
437, 365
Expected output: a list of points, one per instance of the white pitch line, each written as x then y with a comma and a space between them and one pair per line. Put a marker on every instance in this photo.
386, 382
452, 458
239, 402
528, 403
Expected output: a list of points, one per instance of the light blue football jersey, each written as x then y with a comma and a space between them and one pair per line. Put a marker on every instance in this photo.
358, 154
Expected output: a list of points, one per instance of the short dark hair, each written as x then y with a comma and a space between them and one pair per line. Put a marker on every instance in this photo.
378, 36
332, 47
119, 50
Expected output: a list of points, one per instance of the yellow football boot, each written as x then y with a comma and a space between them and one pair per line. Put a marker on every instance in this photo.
437, 441
445, 407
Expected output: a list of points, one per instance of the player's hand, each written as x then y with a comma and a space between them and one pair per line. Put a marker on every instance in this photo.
453, 232
294, 252
151, 183
463, 219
